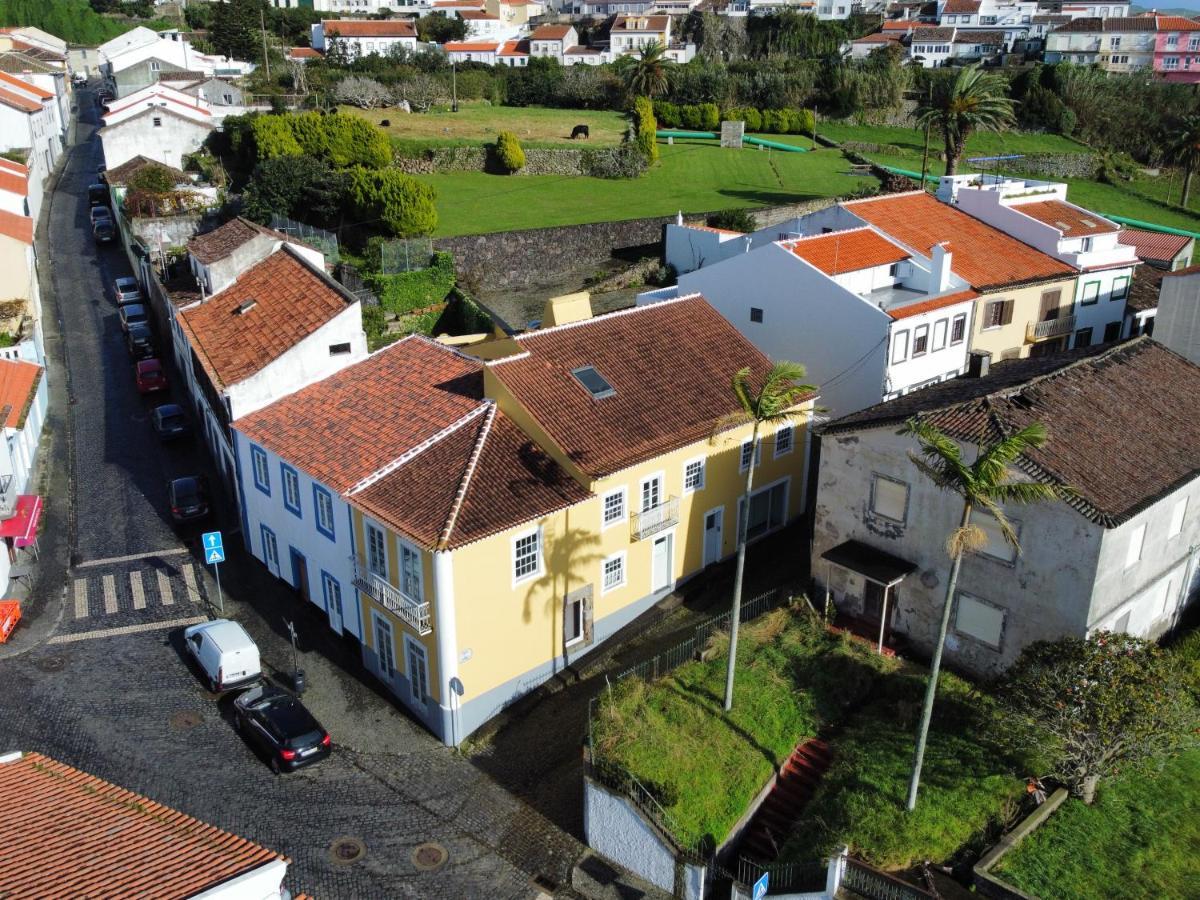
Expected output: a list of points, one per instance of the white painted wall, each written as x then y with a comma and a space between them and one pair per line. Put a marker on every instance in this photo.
1098, 315
1177, 324
687, 249
36, 132
935, 364
262, 883
167, 143
616, 829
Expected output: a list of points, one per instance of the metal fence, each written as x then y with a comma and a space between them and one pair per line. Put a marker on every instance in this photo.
861, 879
400, 256
317, 238
793, 876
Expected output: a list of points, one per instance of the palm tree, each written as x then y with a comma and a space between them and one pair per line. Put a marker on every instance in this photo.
971, 101
1185, 147
646, 72
984, 484
773, 404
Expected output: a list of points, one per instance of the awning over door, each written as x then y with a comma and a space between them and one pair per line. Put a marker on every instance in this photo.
22, 525
873, 564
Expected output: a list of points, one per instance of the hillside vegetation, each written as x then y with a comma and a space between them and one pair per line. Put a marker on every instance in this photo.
72, 20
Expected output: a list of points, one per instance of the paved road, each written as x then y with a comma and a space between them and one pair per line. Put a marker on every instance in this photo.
109, 691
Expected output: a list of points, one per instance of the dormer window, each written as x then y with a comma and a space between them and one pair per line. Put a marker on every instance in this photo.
595, 383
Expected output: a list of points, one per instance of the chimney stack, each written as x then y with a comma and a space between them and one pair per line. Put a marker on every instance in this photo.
940, 267
979, 363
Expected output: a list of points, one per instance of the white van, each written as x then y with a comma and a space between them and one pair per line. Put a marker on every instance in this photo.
225, 653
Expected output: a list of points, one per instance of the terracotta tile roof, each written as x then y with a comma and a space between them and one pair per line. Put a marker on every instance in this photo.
20, 84
1051, 20
1144, 289
13, 183
9, 165
380, 408
17, 227
369, 28
987, 38
1072, 221
220, 242
126, 170
291, 301
71, 834
16, 101
969, 7
1177, 23
303, 53
22, 62
580, 51
1145, 446
986, 257
1122, 25
642, 23
18, 387
656, 406
915, 309
898, 26
477, 15
879, 37
484, 477
1154, 246
515, 48
848, 251
550, 32
167, 94
468, 47
933, 35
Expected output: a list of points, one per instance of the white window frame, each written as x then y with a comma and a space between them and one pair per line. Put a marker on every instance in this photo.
1007, 553
409, 551
703, 462
661, 478
319, 495
743, 462
624, 517
1137, 544
379, 622
541, 566
941, 333
421, 695
900, 346
368, 526
790, 431
291, 486
331, 590
961, 317
577, 604
921, 331
876, 477
605, 587
980, 601
1178, 515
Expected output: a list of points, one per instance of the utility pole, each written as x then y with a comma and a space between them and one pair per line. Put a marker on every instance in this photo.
453, 87
925, 157
262, 21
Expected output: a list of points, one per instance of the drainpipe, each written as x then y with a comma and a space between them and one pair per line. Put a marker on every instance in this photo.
447, 641
887, 589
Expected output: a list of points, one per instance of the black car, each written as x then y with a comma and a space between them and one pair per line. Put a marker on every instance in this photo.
140, 341
188, 497
170, 422
275, 722
104, 231
97, 195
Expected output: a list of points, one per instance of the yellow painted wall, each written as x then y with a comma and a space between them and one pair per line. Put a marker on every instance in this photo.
1026, 308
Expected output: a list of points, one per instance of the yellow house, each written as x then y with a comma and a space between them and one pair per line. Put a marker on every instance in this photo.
1030, 320
582, 487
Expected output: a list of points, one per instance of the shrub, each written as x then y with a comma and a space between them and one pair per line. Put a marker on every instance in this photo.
667, 114
399, 203
805, 122
689, 117
153, 179
709, 116
509, 152
733, 220
1067, 122
339, 139
645, 127
774, 121
408, 291
747, 114
273, 137
374, 321
622, 161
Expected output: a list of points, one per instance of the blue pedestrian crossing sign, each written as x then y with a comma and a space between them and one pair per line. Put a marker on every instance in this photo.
214, 547
760, 886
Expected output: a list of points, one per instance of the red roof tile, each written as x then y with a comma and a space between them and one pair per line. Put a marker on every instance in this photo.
1072, 221
915, 309
1177, 23
515, 48
477, 15
17, 227
848, 251
642, 23
18, 387
303, 53
370, 28
550, 32
16, 101
71, 834
986, 257
380, 408
13, 183
220, 242
969, 7
468, 47
291, 301
20, 84
1154, 245
8, 165
669, 363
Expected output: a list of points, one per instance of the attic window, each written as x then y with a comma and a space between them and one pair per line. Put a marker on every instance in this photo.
244, 307
595, 383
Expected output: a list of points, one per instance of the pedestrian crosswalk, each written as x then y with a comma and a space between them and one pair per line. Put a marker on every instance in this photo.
136, 588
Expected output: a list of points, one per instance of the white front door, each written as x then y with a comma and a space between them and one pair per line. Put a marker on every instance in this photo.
333, 602
270, 551
714, 527
660, 563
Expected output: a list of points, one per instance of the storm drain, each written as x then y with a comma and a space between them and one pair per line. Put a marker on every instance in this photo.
189, 718
428, 857
346, 850
51, 663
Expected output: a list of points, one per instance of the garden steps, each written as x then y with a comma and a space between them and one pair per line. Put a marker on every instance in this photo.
797, 781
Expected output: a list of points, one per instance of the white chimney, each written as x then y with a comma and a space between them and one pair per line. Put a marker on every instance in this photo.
940, 268
679, 217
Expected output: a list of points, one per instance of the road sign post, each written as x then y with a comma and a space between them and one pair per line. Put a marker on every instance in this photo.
214, 555
760, 886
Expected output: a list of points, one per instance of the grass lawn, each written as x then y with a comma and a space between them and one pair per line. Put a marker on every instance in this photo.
1140, 839
911, 141
706, 767
477, 122
969, 782
693, 177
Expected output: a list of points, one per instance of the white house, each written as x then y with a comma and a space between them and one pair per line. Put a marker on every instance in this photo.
281, 324
1120, 555
19, 192
630, 33
1013, 18
472, 51
1038, 214
136, 59
29, 122
158, 122
48, 82
552, 41
24, 396
18, 263
513, 54
362, 37
932, 46
1177, 318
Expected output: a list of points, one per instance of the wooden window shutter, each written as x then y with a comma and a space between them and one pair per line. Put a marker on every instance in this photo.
1006, 314
1050, 302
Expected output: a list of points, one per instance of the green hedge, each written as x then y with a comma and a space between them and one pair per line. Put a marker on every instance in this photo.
509, 152
403, 293
706, 117
645, 127
339, 139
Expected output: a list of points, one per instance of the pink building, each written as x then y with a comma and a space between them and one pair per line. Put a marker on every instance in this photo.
1177, 49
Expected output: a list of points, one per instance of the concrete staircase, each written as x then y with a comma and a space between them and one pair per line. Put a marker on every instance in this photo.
798, 779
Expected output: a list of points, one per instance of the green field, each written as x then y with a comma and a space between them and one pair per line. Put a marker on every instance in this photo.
911, 141
693, 177
480, 122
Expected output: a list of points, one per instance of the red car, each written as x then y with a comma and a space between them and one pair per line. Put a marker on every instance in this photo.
150, 376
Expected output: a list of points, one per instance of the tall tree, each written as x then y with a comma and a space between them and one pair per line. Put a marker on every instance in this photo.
985, 484
236, 29
1185, 148
773, 404
647, 71
970, 101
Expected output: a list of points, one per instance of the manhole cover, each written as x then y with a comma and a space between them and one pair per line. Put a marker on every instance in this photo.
51, 663
428, 857
346, 850
182, 721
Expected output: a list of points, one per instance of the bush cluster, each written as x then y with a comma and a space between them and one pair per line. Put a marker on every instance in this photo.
509, 152
692, 116
622, 161
645, 127
397, 203
407, 291
339, 139
772, 121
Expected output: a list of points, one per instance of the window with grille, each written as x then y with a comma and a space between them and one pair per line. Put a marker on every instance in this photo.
651, 493
693, 475
958, 329
784, 438
526, 556
920, 340
745, 459
262, 475
614, 572
614, 507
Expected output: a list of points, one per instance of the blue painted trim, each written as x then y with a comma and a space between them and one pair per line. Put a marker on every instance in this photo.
284, 469
293, 555
353, 555
318, 492
257, 453
247, 539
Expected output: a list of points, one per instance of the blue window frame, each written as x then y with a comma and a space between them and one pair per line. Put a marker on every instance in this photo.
262, 474
323, 504
291, 489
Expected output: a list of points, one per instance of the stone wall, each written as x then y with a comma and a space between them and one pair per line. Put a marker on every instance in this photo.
569, 161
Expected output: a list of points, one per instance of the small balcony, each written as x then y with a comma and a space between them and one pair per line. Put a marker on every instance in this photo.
1051, 328
416, 615
658, 518
8, 496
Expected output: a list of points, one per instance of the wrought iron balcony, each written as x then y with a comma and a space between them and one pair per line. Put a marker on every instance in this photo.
656, 519
386, 593
1051, 328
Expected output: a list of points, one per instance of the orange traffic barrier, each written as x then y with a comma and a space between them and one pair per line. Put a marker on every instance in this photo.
10, 615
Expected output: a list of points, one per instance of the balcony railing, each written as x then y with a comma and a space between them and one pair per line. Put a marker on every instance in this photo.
8, 496
656, 519
383, 591
1051, 328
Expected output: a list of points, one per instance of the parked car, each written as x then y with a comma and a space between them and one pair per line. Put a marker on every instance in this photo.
149, 376
78, 79
170, 422
100, 212
127, 290
278, 724
225, 654
188, 497
133, 314
98, 195
104, 231
139, 340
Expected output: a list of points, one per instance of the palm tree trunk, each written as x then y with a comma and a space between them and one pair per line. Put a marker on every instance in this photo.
934, 667
735, 614
951, 155
1187, 179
